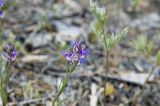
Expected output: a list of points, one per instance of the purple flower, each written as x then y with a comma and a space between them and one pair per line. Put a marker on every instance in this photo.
2, 2
9, 53
2, 14
78, 54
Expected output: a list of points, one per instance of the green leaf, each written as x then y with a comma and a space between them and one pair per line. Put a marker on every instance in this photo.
143, 45
100, 20
64, 83
113, 40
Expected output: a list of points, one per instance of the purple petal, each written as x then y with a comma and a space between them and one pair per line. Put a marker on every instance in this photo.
75, 49
86, 52
2, 14
67, 55
2, 2
9, 53
78, 47
13, 55
81, 46
83, 61
73, 43
78, 53
75, 46
63, 52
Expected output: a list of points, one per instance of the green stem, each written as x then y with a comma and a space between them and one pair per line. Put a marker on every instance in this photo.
63, 85
107, 64
107, 60
106, 49
1, 29
4, 80
143, 88
7, 73
134, 99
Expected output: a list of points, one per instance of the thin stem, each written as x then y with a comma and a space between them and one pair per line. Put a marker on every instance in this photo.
67, 68
134, 99
63, 86
107, 59
7, 73
106, 48
64, 83
4, 80
143, 88
107, 64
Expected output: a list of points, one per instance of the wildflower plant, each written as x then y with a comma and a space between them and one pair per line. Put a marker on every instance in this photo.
8, 55
109, 41
145, 47
74, 58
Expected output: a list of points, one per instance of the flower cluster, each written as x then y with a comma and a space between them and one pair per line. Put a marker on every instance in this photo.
2, 13
9, 53
78, 54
